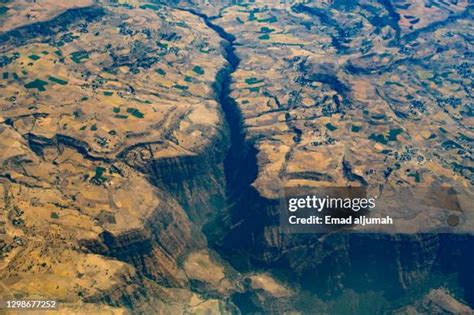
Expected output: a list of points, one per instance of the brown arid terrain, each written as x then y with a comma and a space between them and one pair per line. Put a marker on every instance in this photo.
85, 108
145, 146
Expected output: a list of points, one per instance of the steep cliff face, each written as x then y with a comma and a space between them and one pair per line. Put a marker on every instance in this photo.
110, 204
196, 181
60, 22
137, 295
328, 266
274, 152
155, 248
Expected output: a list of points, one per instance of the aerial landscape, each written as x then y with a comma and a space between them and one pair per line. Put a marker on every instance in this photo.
148, 149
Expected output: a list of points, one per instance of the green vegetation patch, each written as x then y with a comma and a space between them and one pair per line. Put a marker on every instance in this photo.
450, 144
244, 5
99, 177
394, 83
393, 133
161, 71
5, 76
79, 56
264, 37
465, 138
416, 175
67, 38
94, 127
37, 84
331, 127
392, 136
266, 29
460, 168
181, 87
54, 215
57, 80
162, 45
142, 101
355, 128
378, 138
150, 6
378, 116
253, 80
198, 70
3, 10
135, 112
116, 110
188, 79
34, 57
271, 19
121, 116
99, 171
108, 93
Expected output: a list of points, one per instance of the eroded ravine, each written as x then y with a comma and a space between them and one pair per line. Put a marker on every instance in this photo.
240, 163
171, 187
246, 249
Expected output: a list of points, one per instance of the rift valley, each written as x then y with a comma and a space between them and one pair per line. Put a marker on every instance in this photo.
144, 145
